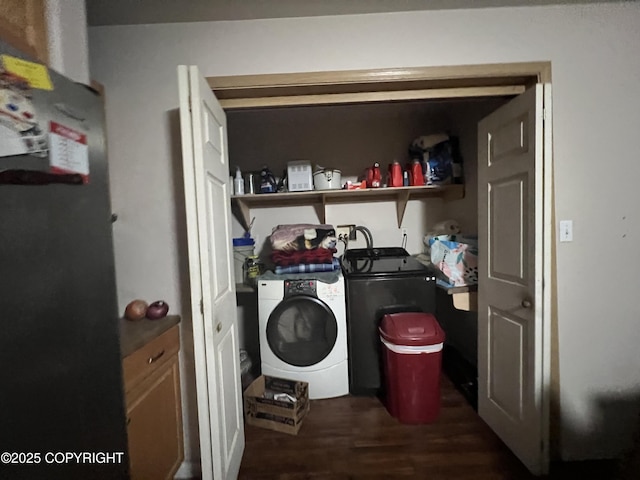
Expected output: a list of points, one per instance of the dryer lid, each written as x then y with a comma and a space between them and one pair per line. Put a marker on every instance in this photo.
354, 253
381, 262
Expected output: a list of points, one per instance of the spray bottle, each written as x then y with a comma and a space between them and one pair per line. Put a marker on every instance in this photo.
238, 183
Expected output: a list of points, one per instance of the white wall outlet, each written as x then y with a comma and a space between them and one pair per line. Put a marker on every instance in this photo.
566, 230
346, 232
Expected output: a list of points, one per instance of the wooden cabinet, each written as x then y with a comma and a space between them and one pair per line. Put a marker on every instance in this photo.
154, 414
23, 25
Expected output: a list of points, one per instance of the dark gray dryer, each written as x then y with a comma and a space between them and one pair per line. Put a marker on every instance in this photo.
379, 281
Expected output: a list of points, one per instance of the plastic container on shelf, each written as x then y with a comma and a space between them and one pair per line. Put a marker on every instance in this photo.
412, 359
253, 268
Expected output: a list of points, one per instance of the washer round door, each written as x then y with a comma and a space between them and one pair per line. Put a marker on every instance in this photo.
302, 331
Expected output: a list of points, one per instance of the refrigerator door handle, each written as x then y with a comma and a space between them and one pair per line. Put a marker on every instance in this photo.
37, 177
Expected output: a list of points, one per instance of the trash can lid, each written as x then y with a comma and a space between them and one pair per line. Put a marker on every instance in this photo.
411, 328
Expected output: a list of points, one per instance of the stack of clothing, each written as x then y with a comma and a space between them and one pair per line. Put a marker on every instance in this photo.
304, 248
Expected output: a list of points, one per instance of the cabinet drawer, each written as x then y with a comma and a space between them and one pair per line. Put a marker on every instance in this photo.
148, 358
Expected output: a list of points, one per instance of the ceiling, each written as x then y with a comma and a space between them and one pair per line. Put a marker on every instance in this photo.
131, 12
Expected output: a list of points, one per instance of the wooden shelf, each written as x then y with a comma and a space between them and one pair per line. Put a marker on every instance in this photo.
242, 204
464, 298
462, 289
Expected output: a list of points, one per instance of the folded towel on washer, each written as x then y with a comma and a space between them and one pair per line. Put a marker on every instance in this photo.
296, 257
309, 267
303, 236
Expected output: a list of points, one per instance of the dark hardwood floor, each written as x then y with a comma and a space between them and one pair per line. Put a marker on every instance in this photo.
355, 438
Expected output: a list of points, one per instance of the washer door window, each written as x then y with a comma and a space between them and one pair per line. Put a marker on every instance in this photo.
302, 331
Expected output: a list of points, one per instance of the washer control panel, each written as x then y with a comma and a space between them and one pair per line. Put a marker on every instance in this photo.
300, 287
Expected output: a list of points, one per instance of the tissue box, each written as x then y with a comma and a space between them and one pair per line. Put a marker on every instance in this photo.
278, 415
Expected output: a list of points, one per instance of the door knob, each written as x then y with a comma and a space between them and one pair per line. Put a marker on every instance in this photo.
219, 327
526, 303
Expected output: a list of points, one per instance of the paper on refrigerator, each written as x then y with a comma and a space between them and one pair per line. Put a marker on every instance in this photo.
21, 132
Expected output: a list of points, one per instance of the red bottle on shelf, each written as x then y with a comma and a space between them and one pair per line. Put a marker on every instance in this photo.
374, 177
395, 175
417, 177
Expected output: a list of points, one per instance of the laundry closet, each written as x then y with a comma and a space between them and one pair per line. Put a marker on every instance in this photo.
350, 137
348, 121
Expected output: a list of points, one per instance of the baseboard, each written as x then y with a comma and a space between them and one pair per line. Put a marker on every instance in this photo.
188, 471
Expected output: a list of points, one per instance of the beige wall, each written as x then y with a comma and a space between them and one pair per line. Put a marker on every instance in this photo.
596, 101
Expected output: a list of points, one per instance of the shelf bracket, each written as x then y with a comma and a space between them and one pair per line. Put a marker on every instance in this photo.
401, 206
321, 210
242, 213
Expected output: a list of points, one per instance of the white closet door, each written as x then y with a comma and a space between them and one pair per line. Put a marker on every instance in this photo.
213, 299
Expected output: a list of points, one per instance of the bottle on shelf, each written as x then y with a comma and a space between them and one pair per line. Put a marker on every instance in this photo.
376, 177
417, 177
395, 174
238, 183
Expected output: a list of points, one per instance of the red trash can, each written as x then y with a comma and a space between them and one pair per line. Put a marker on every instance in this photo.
412, 357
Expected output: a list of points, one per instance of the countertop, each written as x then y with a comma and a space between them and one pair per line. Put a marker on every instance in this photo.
135, 334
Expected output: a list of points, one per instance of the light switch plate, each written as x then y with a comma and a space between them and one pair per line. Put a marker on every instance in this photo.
566, 230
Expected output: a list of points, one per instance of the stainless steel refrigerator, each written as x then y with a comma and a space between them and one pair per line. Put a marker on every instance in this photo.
60, 367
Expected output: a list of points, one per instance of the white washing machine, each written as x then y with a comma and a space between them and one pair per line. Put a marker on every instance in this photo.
303, 331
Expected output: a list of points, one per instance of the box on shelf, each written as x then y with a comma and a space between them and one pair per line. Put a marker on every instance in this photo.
299, 177
279, 415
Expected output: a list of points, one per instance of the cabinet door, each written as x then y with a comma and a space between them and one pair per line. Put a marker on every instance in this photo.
154, 425
23, 25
